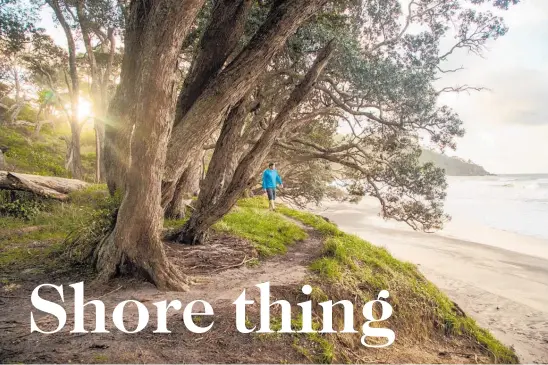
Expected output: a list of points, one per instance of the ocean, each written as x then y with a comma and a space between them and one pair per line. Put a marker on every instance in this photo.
514, 203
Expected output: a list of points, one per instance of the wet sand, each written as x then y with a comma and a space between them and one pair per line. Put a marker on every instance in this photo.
499, 278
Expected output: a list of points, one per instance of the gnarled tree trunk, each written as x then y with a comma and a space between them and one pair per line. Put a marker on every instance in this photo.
145, 104
207, 211
219, 172
188, 186
221, 36
224, 90
74, 155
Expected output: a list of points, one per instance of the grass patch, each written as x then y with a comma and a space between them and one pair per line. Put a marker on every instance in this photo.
269, 231
40, 157
44, 154
356, 266
318, 223
38, 240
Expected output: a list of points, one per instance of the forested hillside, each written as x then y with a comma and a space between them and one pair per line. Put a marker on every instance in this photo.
453, 166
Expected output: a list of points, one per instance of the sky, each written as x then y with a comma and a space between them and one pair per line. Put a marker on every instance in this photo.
507, 125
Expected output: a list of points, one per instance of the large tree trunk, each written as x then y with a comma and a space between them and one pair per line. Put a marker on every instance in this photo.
74, 160
145, 104
219, 172
46, 186
74, 156
235, 81
188, 186
104, 101
222, 34
99, 84
225, 28
207, 211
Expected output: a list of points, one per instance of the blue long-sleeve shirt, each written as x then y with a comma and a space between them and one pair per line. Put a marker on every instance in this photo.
271, 179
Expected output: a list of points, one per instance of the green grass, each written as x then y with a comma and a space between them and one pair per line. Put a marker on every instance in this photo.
318, 223
21, 247
269, 231
45, 154
364, 269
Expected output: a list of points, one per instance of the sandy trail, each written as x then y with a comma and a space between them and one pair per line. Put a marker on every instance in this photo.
505, 291
220, 287
288, 269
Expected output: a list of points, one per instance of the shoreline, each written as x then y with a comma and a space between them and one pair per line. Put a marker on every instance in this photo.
501, 283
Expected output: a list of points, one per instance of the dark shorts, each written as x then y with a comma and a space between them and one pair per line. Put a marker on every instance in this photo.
271, 194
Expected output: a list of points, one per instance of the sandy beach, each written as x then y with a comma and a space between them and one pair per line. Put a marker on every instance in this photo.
499, 278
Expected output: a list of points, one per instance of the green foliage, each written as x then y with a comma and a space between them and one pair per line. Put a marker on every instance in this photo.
258, 203
19, 205
41, 240
17, 19
94, 196
27, 113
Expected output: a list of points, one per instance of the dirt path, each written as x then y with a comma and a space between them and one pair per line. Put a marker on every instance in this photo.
220, 279
218, 287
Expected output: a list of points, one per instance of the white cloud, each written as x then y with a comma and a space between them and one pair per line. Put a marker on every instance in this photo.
507, 127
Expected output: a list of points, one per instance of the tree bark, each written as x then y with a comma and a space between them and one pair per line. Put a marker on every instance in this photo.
19, 99
74, 155
99, 84
74, 161
187, 187
3, 164
208, 212
220, 168
145, 104
95, 86
46, 186
222, 34
104, 101
226, 26
227, 88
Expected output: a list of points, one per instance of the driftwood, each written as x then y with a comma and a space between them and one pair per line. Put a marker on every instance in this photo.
46, 186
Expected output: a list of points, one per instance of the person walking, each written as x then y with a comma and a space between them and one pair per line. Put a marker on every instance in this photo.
271, 179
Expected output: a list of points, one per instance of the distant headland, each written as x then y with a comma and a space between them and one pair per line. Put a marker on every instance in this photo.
453, 166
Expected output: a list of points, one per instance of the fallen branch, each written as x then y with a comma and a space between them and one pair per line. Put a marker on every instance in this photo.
46, 186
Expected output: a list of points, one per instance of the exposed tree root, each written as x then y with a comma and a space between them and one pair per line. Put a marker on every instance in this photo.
167, 277
110, 261
107, 258
188, 236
